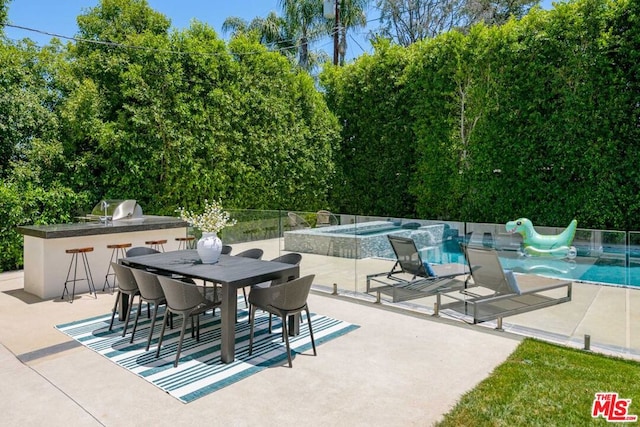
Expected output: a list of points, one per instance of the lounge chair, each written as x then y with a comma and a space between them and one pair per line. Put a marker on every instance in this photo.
410, 277
503, 295
325, 218
296, 222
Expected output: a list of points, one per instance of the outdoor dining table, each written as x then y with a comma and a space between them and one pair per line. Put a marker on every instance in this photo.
231, 272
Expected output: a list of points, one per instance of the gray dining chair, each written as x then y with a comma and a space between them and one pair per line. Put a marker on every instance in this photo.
127, 288
185, 299
255, 253
292, 258
141, 250
283, 300
152, 293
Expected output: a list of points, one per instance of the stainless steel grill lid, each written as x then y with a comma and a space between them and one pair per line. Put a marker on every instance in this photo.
117, 209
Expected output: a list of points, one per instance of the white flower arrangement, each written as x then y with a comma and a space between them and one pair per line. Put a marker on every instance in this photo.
212, 220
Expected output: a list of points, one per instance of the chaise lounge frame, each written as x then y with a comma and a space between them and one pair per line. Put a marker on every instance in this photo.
487, 272
408, 278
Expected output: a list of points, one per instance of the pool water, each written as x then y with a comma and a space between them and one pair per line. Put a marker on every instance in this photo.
379, 231
614, 270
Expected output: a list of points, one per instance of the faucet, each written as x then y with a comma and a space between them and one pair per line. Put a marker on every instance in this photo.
104, 206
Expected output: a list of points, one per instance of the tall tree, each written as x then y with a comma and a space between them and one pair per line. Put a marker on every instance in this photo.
352, 17
104, 131
115, 28
408, 21
173, 119
271, 31
305, 23
496, 12
27, 100
302, 23
291, 35
3, 13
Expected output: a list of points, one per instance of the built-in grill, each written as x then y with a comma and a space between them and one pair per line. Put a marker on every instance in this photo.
115, 210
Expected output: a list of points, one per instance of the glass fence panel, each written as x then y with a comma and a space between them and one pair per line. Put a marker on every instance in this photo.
633, 272
491, 236
260, 229
326, 241
253, 225
609, 258
436, 242
593, 255
601, 256
343, 249
374, 253
598, 259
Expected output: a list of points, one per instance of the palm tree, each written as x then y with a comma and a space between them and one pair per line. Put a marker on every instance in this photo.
305, 23
269, 30
291, 35
302, 23
352, 16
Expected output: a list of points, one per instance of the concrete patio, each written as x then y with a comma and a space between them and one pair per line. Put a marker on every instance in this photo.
401, 367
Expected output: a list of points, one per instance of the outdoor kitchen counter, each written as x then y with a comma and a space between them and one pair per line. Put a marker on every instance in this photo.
55, 231
46, 263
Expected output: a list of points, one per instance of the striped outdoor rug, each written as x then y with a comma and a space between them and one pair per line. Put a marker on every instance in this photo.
200, 371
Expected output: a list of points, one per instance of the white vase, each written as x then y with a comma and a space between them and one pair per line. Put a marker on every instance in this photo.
209, 248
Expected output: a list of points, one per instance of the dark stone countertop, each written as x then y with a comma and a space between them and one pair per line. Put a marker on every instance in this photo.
147, 222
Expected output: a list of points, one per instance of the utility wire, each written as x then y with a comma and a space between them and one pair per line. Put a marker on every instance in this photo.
356, 41
150, 49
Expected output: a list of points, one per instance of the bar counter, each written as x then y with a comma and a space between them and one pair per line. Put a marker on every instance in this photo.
46, 263
76, 229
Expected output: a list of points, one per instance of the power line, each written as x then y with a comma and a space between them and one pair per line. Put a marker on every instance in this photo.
296, 45
354, 39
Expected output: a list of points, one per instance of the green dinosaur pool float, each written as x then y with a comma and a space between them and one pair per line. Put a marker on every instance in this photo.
535, 244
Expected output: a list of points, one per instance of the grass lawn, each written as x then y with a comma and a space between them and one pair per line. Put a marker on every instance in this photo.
542, 384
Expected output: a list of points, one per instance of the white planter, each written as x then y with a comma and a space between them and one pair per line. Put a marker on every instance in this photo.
209, 248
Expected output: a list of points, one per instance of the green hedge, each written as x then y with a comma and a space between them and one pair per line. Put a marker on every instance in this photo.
28, 206
536, 118
182, 117
11, 213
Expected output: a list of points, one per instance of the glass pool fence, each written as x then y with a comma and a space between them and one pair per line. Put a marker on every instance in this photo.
343, 249
601, 256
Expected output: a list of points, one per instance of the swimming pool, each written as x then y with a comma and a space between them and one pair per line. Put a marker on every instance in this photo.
440, 244
612, 267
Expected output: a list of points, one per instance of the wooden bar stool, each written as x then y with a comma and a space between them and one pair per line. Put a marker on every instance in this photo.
117, 253
82, 252
185, 242
156, 244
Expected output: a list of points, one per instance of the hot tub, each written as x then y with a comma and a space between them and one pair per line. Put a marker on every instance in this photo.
364, 240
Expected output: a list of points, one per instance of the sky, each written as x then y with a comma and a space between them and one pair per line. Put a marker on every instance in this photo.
59, 17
